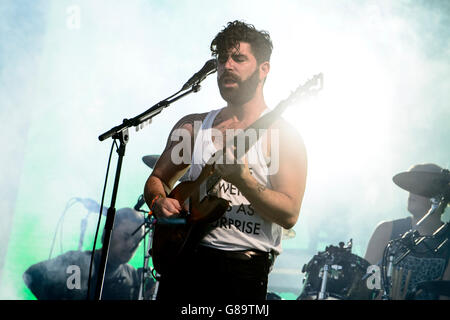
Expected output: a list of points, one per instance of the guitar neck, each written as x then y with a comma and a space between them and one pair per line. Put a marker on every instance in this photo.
263, 122
311, 87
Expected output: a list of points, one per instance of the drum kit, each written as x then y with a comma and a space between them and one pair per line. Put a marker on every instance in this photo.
338, 274
432, 249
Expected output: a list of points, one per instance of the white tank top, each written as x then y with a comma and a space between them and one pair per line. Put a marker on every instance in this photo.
240, 228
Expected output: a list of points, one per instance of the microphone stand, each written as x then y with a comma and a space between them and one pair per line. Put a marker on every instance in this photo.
438, 206
146, 272
120, 133
413, 239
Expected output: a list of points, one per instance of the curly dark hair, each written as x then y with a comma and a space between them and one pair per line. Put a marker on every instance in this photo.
238, 31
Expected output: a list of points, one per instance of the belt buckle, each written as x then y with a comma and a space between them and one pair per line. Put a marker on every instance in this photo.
249, 254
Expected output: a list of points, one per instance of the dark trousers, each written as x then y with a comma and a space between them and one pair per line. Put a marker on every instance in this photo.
216, 276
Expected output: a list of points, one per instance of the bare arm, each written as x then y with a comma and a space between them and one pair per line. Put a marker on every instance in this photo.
167, 172
378, 242
282, 203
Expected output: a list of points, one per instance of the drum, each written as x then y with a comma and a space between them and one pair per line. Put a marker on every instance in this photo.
345, 280
411, 265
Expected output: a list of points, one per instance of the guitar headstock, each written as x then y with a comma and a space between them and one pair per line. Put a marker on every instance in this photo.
309, 88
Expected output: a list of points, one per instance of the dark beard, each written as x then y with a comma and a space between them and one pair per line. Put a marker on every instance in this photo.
245, 90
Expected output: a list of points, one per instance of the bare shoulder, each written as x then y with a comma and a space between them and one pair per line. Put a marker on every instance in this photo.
286, 127
384, 228
187, 121
378, 241
166, 169
289, 137
290, 165
382, 233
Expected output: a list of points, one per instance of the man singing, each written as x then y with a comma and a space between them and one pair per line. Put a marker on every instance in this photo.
233, 260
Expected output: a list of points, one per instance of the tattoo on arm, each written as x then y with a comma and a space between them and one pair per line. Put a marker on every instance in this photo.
261, 187
189, 119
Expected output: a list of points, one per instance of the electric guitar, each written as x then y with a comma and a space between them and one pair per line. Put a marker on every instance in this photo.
172, 240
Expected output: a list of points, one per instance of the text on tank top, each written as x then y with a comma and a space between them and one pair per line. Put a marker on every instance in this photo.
240, 228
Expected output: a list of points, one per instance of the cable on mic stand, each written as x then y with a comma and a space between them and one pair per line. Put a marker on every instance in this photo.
114, 143
120, 132
59, 225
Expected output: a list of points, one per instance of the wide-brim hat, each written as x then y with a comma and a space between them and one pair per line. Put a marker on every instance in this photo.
427, 180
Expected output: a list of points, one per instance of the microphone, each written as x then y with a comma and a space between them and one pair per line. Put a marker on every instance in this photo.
209, 67
139, 203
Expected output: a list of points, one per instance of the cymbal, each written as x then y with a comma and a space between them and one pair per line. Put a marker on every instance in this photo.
150, 160
422, 183
288, 234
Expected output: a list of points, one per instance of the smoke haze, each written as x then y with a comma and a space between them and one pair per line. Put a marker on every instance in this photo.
71, 70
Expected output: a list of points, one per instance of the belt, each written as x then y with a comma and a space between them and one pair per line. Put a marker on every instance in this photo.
238, 255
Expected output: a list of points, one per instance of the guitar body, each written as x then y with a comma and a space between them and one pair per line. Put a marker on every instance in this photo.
171, 241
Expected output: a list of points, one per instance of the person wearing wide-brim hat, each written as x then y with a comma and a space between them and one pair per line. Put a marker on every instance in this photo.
426, 180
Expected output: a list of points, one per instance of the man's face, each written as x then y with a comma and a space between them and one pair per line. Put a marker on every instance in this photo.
238, 74
123, 244
418, 205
